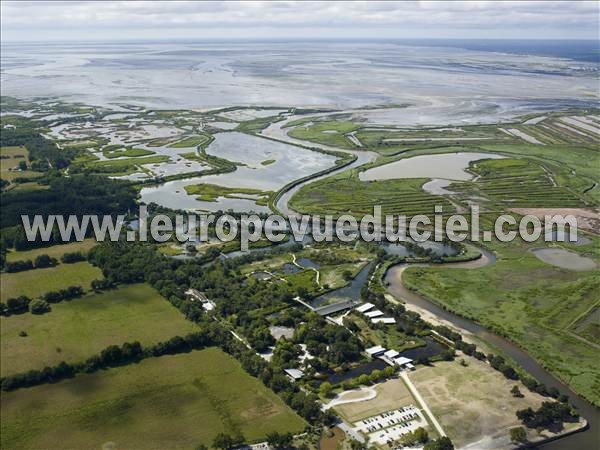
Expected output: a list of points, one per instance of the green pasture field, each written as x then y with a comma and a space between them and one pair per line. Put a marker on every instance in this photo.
11, 156
518, 183
36, 282
193, 141
346, 194
75, 330
211, 192
129, 152
124, 166
178, 401
318, 133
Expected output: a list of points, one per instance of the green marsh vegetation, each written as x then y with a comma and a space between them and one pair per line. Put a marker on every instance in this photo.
211, 192
534, 304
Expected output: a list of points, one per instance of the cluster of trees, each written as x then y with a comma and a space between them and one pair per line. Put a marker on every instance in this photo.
41, 305
103, 284
43, 154
15, 305
375, 376
63, 294
516, 392
76, 195
127, 262
285, 354
227, 441
414, 438
550, 415
443, 443
18, 266
73, 257
41, 262
331, 343
499, 363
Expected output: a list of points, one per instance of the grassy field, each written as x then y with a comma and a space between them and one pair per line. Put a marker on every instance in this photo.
473, 402
572, 165
545, 176
193, 141
128, 152
535, 304
55, 251
330, 132
391, 394
171, 402
34, 283
211, 192
77, 329
345, 193
388, 337
125, 166
514, 183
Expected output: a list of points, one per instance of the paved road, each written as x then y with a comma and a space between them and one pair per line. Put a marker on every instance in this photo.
424, 407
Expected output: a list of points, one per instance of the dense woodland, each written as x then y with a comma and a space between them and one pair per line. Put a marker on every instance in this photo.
43, 153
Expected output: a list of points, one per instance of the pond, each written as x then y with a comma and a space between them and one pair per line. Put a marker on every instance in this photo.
449, 166
430, 349
350, 292
564, 259
438, 186
290, 269
309, 264
552, 236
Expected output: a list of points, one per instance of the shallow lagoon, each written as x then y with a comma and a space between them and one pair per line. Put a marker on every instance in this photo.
291, 163
448, 166
564, 259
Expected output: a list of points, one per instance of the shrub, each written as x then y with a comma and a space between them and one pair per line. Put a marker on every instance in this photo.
18, 266
39, 306
43, 261
71, 258
17, 305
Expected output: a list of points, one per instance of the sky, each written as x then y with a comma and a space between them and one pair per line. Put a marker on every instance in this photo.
124, 20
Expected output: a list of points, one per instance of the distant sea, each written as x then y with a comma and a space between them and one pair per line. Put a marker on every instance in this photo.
579, 50
443, 80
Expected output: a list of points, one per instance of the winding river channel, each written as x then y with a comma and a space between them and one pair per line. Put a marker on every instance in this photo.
588, 439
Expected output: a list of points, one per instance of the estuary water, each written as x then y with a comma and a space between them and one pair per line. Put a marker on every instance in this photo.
448, 166
412, 82
290, 163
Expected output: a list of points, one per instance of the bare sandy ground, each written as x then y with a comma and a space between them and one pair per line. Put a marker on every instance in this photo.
522, 135
587, 219
355, 395
584, 124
